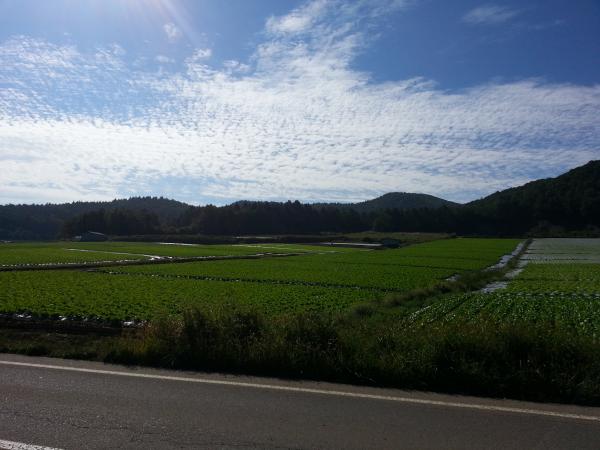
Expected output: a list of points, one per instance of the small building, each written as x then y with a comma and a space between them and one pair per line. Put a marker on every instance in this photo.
92, 236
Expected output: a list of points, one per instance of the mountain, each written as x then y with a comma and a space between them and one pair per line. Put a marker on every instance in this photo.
401, 200
392, 200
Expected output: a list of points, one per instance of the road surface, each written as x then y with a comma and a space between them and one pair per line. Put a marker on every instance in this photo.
77, 405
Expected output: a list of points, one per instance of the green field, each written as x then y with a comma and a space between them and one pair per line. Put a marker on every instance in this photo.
74, 252
122, 297
324, 281
548, 290
389, 270
558, 278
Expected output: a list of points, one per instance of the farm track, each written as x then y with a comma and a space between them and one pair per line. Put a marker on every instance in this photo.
137, 262
516, 256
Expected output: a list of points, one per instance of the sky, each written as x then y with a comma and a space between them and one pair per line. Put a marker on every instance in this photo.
211, 101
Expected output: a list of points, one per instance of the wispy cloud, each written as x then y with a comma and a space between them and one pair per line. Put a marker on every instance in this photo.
490, 15
298, 20
296, 121
236, 66
172, 31
162, 59
200, 54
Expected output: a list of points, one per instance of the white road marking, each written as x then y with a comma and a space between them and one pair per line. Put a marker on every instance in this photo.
9, 445
275, 387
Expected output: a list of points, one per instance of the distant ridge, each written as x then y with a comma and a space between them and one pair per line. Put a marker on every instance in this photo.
402, 201
569, 202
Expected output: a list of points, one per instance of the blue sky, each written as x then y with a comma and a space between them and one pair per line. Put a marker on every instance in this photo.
212, 101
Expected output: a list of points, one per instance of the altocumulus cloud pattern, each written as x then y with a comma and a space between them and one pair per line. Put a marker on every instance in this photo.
296, 120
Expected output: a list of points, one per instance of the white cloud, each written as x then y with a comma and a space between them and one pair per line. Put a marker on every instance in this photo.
236, 66
200, 54
172, 31
162, 59
298, 20
301, 123
490, 15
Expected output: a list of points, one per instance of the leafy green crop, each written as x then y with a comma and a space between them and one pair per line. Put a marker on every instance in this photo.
559, 294
394, 270
88, 294
557, 278
577, 312
320, 281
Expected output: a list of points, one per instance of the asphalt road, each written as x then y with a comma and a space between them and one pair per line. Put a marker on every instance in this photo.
77, 405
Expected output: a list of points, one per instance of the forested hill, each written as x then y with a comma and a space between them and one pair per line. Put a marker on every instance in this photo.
571, 200
395, 200
152, 215
46, 221
551, 206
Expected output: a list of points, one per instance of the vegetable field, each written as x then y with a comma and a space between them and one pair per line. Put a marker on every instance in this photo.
320, 278
74, 252
118, 297
548, 290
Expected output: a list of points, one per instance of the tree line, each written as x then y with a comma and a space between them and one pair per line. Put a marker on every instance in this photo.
570, 202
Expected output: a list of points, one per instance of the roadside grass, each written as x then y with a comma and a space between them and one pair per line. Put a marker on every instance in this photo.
57, 344
526, 360
538, 361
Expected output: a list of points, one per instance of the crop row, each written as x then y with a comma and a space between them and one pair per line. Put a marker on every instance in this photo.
552, 278
579, 313
564, 250
564, 246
